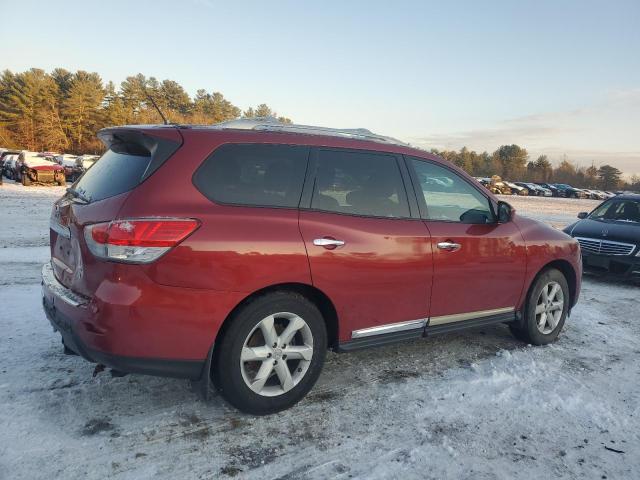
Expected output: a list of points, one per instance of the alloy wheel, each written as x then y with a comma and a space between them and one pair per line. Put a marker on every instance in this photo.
549, 307
276, 354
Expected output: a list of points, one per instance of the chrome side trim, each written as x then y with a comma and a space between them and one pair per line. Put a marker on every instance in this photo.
460, 317
390, 328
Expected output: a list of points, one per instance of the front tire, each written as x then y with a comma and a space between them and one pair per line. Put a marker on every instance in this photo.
271, 354
546, 309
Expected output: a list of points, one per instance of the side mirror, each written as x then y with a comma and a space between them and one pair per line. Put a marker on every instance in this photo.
582, 215
505, 212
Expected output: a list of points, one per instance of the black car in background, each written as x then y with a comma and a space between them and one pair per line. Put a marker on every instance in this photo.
549, 186
568, 191
609, 236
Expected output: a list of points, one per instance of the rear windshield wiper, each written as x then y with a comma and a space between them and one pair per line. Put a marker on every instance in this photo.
78, 195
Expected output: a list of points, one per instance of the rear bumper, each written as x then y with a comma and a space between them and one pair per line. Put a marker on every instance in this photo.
161, 367
167, 337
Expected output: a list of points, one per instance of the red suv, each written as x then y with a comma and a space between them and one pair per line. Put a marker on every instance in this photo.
240, 252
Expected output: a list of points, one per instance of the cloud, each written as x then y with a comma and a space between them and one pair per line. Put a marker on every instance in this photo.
606, 131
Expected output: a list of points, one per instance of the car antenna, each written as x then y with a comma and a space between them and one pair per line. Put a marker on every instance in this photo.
155, 105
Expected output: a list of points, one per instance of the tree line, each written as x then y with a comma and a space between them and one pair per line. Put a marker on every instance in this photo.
512, 162
62, 111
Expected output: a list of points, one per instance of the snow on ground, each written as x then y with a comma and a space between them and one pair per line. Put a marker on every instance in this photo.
475, 405
559, 212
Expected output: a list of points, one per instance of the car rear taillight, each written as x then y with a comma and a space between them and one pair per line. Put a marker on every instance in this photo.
137, 240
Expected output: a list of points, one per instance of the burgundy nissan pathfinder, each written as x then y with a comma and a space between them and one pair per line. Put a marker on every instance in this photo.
238, 253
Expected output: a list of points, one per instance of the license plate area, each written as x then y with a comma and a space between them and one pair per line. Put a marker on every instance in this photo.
598, 261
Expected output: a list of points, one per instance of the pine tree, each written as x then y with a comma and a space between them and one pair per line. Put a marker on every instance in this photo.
609, 177
511, 161
82, 108
544, 170
63, 110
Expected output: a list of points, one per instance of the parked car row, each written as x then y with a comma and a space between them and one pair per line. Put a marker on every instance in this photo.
28, 167
31, 167
498, 186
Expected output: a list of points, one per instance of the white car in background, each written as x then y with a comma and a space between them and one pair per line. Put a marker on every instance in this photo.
594, 194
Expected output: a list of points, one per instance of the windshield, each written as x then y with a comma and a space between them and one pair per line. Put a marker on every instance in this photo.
618, 210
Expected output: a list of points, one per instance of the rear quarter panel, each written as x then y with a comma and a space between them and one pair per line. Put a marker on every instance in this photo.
236, 248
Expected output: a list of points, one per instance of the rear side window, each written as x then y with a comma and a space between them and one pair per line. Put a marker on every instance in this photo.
254, 174
113, 174
359, 183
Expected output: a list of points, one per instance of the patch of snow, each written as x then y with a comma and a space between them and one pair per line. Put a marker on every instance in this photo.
477, 404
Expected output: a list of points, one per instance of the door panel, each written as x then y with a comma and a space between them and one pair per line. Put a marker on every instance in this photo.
381, 275
485, 273
478, 264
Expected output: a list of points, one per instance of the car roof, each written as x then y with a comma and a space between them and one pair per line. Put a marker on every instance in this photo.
271, 130
627, 196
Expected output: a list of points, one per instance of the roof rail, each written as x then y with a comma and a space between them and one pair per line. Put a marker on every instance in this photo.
271, 124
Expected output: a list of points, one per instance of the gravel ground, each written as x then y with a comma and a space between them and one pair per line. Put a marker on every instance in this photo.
473, 405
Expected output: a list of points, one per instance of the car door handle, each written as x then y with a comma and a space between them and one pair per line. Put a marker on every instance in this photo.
449, 246
328, 243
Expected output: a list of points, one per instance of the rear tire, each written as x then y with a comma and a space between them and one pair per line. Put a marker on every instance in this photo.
546, 309
257, 346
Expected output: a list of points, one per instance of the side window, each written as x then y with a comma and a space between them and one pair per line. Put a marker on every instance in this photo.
449, 197
359, 183
254, 174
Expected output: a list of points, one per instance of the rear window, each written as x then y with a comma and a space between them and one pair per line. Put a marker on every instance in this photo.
113, 174
254, 174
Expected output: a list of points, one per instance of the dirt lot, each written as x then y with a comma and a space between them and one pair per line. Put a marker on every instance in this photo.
475, 405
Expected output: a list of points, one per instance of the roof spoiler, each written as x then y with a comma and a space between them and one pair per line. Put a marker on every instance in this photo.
157, 144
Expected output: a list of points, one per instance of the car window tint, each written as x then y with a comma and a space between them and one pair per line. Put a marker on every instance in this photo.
254, 174
113, 174
449, 197
359, 183
620, 210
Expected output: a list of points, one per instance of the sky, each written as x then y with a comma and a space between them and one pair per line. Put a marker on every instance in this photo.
560, 78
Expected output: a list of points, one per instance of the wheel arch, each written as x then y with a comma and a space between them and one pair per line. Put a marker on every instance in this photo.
569, 273
311, 293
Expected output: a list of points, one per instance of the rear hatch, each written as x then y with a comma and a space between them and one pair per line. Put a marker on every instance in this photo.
132, 156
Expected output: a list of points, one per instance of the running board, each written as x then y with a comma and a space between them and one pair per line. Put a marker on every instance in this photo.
471, 323
380, 340
418, 330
